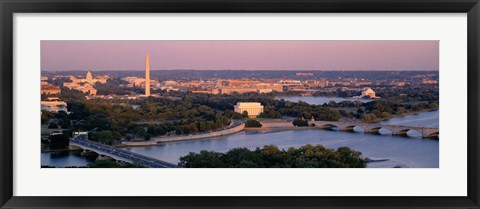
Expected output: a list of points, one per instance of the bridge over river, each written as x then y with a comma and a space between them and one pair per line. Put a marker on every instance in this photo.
82, 142
375, 128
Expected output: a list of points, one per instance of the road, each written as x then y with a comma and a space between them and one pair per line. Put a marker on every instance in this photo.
82, 140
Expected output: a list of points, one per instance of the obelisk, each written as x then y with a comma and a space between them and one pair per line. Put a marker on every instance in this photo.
147, 75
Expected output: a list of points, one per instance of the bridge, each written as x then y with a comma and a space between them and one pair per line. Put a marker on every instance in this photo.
375, 128
82, 142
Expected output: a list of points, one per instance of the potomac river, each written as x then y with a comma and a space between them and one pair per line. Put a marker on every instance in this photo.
321, 100
412, 152
401, 151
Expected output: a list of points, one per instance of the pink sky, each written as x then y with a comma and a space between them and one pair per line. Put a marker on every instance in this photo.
240, 55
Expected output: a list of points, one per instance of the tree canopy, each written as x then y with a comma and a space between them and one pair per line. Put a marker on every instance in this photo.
253, 124
308, 156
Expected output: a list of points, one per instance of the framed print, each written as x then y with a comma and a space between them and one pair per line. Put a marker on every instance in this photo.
196, 104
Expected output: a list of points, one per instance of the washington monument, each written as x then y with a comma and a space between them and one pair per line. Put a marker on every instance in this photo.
147, 75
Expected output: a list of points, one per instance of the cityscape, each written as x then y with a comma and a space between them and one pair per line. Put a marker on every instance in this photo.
240, 118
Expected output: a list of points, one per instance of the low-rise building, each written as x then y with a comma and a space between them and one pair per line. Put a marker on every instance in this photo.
304, 74
169, 83
237, 83
270, 86
85, 85
241, 90
253, 108
140, 82
368, 92
89, 79
290, 82
54, 106
316, 83
429, 81
49, 89
264, 91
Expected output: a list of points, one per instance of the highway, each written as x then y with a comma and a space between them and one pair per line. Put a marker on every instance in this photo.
119, 154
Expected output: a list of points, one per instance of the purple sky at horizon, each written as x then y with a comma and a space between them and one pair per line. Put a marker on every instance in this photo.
240, 55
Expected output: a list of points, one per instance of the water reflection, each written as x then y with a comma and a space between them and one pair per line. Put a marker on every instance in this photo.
64, 159
401, 151
424, 119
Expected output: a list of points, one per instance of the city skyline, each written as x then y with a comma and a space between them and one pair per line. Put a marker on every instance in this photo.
241, 55
245, 119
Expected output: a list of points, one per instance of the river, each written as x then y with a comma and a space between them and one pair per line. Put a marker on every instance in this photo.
321, 100
413, 152
401, 151
64, 159
424, 119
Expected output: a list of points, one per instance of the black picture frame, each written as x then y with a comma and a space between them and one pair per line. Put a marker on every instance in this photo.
9, 7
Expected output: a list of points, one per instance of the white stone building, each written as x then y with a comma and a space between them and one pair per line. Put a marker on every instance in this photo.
368, 92
253, 108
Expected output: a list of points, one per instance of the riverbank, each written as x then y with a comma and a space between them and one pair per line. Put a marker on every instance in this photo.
57, 150
267, 124
398, 150
401, 151
399, 115
156, 140
279, 128
277, 125
60, 150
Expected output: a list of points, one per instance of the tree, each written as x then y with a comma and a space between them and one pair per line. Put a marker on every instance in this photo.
105, 137
385, 115
245, 114
140, 131
193, 127
242, 157
274, 114
64, 123
237, 115
253, 124
300, 122
46, 116
204, 159
98, 121
401, 110
271, 156
58, 141
52, 125
360, 111
332, 104
61, 114
201, 126
209, 125
159, 130
228, 113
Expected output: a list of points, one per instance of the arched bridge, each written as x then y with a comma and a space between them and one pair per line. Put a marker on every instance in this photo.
375, 128
118, 154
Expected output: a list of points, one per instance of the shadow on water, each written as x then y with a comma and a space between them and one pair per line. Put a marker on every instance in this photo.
66, 158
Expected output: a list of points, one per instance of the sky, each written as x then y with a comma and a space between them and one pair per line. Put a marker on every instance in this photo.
240, 55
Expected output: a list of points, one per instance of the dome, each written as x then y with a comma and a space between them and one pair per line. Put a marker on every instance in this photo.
89, 77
